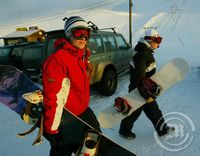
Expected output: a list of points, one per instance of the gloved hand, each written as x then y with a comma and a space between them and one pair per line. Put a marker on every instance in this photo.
150, 100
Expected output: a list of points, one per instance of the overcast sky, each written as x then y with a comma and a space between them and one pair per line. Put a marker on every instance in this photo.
16, 9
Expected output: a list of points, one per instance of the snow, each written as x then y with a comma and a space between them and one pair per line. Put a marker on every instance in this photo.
20, 34
178, 22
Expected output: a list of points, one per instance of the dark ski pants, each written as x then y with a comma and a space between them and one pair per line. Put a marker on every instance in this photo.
151, 110
73, 132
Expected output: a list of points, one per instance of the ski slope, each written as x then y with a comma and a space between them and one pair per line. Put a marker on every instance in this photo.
178, 22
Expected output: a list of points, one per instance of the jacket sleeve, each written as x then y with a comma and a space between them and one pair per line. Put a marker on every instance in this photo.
56, 90
140, 68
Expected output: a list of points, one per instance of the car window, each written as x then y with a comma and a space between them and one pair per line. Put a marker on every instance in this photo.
32, 53
109, 42
50, 47
17, 51
95, 44
4, 52
121, 42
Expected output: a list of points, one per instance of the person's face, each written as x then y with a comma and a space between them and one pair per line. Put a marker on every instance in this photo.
78, 43
154, 41
154, 45
79, 37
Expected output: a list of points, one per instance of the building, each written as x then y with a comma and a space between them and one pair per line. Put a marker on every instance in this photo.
22, 35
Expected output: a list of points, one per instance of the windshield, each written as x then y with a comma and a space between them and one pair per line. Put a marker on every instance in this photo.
4, 52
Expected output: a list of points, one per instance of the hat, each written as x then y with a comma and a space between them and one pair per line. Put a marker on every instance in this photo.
74, 22
152, 35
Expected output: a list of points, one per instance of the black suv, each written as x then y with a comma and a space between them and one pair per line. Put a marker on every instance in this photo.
12, 54
110, 55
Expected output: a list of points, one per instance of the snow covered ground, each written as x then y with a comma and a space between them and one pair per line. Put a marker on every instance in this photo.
178, 21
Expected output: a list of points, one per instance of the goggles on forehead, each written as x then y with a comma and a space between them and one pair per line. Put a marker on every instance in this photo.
154, 39
80, 33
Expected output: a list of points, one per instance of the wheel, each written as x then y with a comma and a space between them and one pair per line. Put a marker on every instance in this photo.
108, 83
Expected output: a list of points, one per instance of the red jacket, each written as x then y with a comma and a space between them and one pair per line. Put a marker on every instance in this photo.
65, 84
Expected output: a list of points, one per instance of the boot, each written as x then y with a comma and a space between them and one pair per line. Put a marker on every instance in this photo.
166, 130
130, 135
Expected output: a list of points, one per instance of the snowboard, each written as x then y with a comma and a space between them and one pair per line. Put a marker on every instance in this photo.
13, 84
16, 89
169, 75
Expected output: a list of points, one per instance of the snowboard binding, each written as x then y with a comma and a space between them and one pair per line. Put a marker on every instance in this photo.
122, 106
90, 144
32, 114
34, 107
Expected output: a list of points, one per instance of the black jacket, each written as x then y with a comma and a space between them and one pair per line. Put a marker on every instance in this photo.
142, 65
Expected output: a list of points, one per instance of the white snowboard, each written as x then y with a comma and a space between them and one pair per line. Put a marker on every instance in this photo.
169, 75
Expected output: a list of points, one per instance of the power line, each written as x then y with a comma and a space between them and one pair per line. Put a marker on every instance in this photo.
82, 9
99, 4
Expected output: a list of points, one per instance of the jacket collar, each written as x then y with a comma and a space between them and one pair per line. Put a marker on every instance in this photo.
143, 45
142, 40
64, 44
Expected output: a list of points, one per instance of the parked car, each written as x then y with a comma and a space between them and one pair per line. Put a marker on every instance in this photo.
110, 57
32, 61
12, 54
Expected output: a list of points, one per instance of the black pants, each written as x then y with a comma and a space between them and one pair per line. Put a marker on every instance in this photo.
72, 132
151, 110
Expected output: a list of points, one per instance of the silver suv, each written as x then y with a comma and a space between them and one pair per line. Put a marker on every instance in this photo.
110, 57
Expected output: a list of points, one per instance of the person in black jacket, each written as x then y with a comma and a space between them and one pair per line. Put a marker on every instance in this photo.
143, 65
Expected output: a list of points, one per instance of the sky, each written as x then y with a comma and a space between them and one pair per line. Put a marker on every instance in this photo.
178, 22
14, 9
18, 9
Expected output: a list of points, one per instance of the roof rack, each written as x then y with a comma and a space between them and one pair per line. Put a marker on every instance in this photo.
93, 26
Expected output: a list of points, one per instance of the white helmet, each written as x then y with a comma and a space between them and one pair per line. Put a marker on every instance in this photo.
152, 35
74, 22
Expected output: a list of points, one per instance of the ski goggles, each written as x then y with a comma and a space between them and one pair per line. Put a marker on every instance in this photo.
154, 39
80, 33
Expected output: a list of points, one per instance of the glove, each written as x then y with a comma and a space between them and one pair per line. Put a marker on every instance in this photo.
150, 100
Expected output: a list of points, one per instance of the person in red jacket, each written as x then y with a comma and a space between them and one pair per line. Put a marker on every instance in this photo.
66, 75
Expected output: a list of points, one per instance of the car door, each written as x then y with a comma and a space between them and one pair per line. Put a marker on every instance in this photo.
111, 51
97, 54
124, 50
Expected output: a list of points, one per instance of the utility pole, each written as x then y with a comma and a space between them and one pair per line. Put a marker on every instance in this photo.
130, 22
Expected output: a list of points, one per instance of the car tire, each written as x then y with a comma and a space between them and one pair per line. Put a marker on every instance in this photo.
108, 83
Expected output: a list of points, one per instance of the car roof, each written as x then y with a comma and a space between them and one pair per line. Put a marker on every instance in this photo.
61, 31
21, 44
